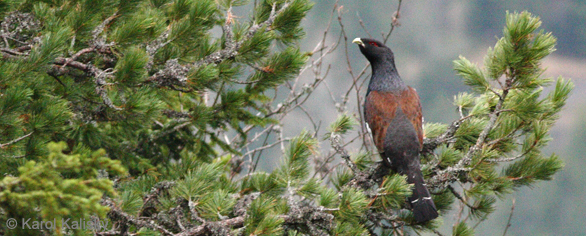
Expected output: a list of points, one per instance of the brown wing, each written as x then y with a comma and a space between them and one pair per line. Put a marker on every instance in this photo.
379, 111
411, 106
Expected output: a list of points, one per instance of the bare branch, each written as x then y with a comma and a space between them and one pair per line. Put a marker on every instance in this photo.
76, 55
508, 159
336, 141
510, 217
221, 226
100, 28
362, 25
459, 197
15, 140
395, 22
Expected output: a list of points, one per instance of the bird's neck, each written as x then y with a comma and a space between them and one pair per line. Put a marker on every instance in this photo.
385, 78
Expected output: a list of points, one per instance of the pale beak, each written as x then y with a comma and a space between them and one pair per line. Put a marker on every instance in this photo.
358, 41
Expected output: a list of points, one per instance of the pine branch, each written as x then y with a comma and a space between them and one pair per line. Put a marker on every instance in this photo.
317, 220
431, 144
510, 135
13, 54
100, 28
481, 141
158, 43
99, 43
175, 74
227, 28
491, 123
118, 214
213, 228
230, 52
99, 76
108, 233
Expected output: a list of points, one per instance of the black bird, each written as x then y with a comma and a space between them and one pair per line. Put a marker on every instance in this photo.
393, 114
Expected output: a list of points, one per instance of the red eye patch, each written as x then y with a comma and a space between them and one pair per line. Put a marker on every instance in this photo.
373, 44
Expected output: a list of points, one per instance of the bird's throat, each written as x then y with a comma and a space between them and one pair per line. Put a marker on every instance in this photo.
385, 78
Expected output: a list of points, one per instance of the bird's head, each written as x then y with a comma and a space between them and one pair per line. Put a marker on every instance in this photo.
374, 50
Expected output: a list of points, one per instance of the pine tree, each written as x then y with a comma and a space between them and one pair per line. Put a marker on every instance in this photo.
137, 114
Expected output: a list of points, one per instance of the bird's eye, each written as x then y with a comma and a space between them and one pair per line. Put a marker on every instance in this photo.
373, 44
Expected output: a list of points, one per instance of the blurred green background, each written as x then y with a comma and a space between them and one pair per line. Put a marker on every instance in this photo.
433, 34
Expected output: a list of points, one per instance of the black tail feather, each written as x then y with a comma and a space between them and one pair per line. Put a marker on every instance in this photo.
421, 203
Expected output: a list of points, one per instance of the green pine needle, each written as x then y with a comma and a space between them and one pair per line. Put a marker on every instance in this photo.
473, 76
461, 229
393, 192
341, 126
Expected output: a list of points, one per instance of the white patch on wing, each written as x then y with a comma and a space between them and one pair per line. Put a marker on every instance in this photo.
368, 128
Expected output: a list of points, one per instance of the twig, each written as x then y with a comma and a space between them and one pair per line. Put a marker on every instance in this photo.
265, 147
430, 144
355, 80
459, 197
394, 22
203, 229
513, 158
362, 25
108, 233
78, 54
100, 28
260, 152
315, 125
436, 232
15, 140
509, 135
510, 217
12, 53
336, 144
193, 212
98, 74
442, 177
